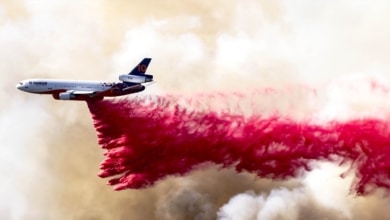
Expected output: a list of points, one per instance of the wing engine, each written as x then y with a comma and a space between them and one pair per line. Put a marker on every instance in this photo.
67, 96
78, 95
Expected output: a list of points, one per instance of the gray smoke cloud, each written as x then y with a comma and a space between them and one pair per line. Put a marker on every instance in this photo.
49, 155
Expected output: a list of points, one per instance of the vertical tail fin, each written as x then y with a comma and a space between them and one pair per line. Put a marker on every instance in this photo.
141, 68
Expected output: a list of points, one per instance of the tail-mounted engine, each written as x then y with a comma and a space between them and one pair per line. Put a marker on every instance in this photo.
136, 78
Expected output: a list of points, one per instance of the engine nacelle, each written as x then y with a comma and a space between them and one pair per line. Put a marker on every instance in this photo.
136, 78
66, 96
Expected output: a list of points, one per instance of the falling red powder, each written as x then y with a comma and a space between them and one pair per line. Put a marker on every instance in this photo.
149, 138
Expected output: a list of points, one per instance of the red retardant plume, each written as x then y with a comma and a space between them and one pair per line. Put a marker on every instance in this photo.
149, 138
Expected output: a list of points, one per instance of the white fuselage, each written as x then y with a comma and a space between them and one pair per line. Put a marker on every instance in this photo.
47, 86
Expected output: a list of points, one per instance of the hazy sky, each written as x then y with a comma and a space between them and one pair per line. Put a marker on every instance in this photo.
49, 155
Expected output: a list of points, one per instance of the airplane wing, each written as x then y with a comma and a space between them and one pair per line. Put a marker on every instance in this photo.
131, 86
78, 95
149, 83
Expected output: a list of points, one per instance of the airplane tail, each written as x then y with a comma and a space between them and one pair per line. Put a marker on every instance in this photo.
137, 75
141, 68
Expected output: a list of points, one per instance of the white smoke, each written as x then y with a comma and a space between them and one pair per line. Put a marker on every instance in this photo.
323, 195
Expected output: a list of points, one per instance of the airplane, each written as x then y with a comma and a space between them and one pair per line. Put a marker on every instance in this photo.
90, 90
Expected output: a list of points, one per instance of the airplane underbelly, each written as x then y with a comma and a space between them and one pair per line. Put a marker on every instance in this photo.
41, 90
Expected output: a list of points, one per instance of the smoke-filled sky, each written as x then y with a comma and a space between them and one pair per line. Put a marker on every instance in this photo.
325, 60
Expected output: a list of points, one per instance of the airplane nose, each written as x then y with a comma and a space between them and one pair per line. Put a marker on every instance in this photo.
19, 86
